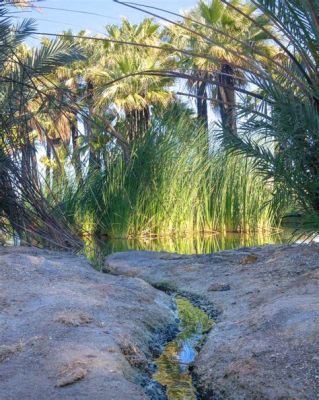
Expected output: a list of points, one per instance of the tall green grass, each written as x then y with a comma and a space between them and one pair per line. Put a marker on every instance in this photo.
172, 187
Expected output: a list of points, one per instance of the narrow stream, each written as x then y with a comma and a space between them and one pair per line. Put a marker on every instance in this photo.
173, 364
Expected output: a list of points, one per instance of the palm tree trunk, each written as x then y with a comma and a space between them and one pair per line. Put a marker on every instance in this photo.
227, 99
48, 167
56, 172
25, 162
9, 202
93, 158
75, 151
29, 167
34, 166
143, 121
202, 109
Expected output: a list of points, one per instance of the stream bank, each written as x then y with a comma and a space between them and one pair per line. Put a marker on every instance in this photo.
265, 343
69, 332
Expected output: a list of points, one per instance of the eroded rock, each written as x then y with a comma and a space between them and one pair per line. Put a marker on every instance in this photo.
65, 328
250, 259
266, 339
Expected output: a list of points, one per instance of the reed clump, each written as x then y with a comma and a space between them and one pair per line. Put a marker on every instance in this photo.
173, 186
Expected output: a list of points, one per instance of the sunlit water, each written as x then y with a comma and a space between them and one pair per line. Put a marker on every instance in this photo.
192, 244
173, 364
172, 367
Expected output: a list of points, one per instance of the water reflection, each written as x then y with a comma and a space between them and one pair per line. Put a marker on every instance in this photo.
173, 364
192, 244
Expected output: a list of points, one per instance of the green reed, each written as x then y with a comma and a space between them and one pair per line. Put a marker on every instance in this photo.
172, 186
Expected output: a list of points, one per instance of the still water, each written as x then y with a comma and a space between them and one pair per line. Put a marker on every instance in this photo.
192, 244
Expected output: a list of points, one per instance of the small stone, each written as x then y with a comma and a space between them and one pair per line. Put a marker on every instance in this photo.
71, 377
250, 259
219, 287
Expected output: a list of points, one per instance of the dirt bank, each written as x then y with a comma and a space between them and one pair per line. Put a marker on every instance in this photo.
69, 332
265, 344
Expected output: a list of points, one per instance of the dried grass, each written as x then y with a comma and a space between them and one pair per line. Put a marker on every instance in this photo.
73, 318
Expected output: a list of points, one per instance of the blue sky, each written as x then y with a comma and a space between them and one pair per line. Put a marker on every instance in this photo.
53, 21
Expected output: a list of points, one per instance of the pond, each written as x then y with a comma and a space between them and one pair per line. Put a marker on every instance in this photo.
191, 244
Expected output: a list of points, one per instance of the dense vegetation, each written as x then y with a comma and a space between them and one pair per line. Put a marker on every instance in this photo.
209, 122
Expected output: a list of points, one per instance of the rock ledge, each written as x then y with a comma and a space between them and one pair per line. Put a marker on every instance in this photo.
69, 332
265, 344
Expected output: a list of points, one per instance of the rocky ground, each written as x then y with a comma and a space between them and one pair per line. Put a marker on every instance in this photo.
265, 344
69, 332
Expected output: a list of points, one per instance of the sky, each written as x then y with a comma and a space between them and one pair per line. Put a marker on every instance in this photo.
54, 21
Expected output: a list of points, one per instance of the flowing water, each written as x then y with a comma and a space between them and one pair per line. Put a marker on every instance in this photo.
173, 364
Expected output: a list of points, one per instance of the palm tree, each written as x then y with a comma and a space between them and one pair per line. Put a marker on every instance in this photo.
225, 37
281, 133
119, 82
98, 128
23, 80
52, 117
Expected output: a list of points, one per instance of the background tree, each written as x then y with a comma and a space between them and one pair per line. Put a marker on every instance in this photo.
288, 117
119, 82
23, 75
226, 38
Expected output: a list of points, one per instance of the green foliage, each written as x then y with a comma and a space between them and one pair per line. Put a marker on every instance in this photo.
171, 186
281, 132
23, 88
138, 171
